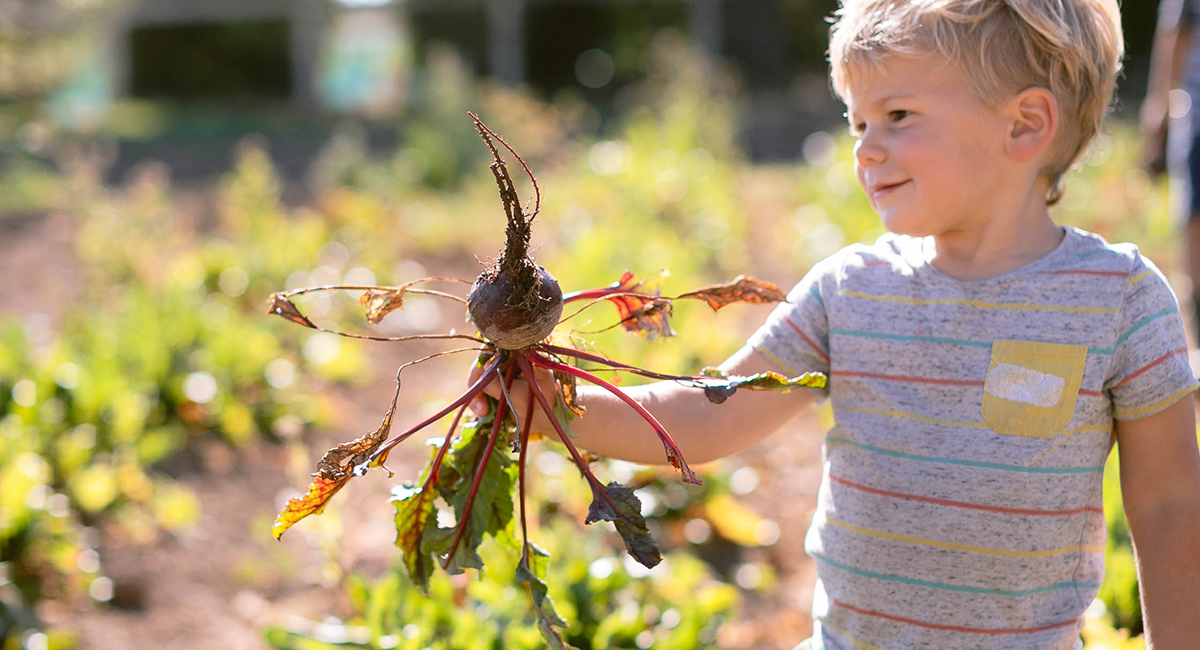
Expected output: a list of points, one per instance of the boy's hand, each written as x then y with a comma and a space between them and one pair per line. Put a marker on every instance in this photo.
478, 405
519, 392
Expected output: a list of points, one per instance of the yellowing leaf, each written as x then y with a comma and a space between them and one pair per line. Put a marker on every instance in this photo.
336, 467
638, 304
726, 385
312, 503
413, 507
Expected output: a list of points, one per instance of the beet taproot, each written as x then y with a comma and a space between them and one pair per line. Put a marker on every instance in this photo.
516, 309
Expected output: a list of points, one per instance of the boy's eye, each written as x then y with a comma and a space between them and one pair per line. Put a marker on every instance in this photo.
898, 115
857, 129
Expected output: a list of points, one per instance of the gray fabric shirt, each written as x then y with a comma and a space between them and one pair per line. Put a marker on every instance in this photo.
960, 504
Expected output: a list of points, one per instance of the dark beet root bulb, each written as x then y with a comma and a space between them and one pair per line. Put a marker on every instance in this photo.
515, 308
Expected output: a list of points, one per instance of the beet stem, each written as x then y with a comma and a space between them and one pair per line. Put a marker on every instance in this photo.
674, 456
617, 365
525, 360
605, 293
489, 375
524, 442
497, 424
435, 467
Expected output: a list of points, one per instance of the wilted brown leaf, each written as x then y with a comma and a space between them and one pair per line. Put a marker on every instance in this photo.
639, 306
743, 288
566, 393
381, 302
280, 305
651, 319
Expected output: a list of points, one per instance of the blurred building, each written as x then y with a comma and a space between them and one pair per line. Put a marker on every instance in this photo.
280, 49
239, 50
336, 57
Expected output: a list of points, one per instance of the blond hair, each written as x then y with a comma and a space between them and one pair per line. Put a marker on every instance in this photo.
1073, 48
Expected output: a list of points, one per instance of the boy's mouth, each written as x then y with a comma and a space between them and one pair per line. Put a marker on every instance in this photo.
883, 189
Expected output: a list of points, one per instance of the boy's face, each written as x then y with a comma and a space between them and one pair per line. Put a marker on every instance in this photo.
930, 153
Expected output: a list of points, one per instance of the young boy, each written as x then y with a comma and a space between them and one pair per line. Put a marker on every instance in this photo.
982, 360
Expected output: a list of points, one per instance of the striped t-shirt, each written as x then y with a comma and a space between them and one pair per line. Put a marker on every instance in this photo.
960, 503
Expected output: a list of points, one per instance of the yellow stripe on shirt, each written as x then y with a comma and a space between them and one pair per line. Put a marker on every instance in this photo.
912, 416
846, 635
962, 547
982, 305
1138, 278
1157, 405
761, 349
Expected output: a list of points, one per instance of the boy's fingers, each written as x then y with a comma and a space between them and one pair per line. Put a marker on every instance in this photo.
519, 391
479, 403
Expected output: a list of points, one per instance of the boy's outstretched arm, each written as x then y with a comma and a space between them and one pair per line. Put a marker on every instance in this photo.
704, 431
1160, 485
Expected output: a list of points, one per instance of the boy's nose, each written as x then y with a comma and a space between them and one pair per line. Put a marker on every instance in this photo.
867, 153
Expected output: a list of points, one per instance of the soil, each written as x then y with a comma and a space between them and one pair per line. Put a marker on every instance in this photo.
217, 585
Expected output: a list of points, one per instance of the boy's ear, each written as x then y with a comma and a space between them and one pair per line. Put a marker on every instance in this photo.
1033, 124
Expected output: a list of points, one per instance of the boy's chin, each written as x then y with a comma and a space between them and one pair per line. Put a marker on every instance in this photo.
898, 225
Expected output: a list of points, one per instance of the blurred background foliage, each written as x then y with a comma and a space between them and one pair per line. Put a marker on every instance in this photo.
160, 353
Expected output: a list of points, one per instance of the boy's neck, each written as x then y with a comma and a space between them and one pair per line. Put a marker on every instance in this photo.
997, 247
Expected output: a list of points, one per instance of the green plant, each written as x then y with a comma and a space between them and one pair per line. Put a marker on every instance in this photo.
610, 603
162, 349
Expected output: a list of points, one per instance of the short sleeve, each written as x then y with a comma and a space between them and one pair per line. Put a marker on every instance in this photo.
795, 337
1150, 369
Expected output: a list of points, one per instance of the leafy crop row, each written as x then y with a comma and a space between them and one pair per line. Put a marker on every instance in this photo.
158, 352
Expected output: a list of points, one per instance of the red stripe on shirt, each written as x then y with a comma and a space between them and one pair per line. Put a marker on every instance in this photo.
929, 380
961, 504
807, 340
955, 628
878, 263
1150, 365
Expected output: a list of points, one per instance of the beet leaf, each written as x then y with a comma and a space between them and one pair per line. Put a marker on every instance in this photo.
529, 572
621, 506
414, 505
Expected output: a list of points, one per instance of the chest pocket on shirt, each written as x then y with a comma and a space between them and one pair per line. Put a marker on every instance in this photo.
1031, 388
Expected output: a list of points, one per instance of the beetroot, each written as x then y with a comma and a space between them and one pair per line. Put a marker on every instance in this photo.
515, 304
515, 308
